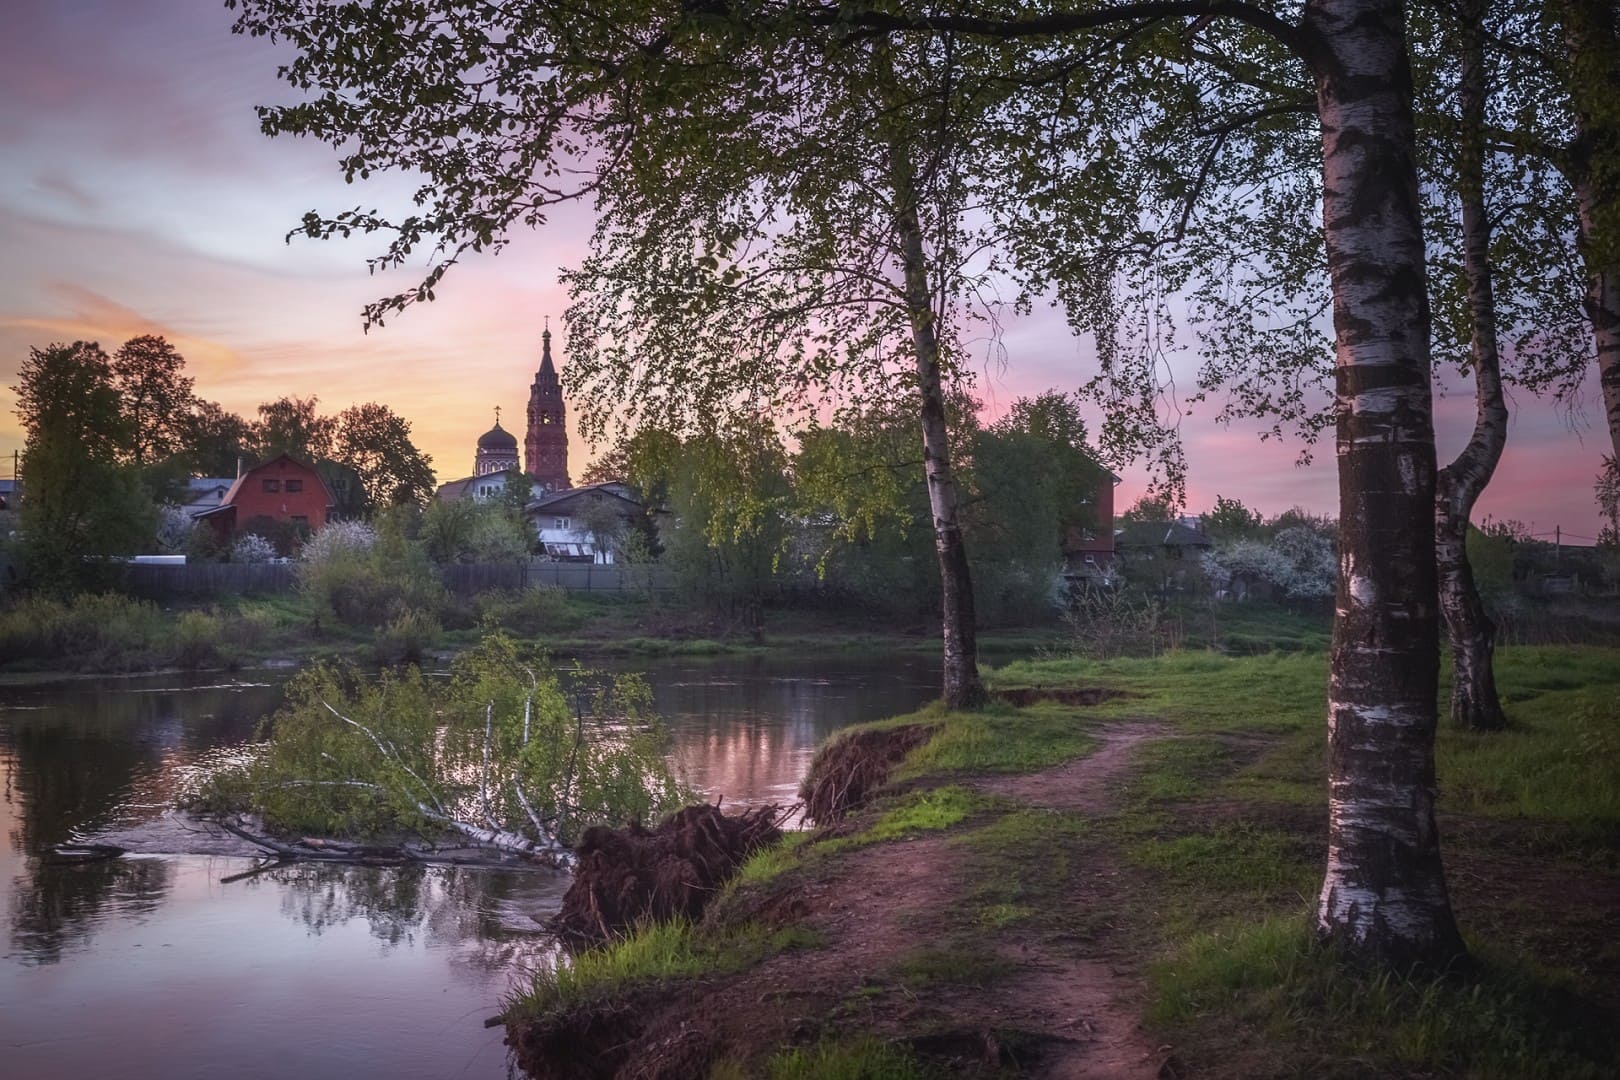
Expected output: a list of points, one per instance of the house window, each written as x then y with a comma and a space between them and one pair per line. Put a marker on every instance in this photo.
272, 485
300, 519
295, 485
560, 523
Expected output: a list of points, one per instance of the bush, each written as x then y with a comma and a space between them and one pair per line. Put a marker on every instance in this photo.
338, 537
529, 612
252, 548
1104, 623
371, 588
407, 637
93, 631
197, 636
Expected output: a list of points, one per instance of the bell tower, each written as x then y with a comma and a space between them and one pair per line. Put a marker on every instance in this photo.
545, 451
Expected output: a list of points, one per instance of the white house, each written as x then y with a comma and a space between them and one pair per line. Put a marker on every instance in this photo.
564, 520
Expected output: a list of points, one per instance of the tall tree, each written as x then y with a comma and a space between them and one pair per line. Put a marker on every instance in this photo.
80, 505
1474, 700
217, 443
375, 442
156, 397
292, 425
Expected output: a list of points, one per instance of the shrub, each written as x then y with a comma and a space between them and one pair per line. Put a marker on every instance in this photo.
336, 538
94, 631
371, 588
197, 637
1104, 623
407, 637
252, 548
536, 610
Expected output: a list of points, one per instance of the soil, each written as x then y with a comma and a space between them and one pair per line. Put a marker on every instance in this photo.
850, 767
1050, 1008
626, 876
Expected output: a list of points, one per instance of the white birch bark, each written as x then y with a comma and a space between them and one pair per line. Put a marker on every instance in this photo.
1384, 893
1475, 703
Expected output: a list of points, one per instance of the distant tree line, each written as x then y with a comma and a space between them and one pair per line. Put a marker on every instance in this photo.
112, 440
844, 513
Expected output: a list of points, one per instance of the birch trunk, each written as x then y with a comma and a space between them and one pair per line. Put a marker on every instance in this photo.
1474, 701
1593, 39
963, 688
1384, 893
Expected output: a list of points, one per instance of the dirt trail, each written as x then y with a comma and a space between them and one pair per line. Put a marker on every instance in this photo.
1061, 1007
1078, 1012
1086, 1001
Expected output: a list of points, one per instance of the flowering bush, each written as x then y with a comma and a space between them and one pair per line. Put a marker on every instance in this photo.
338, 537
252, 548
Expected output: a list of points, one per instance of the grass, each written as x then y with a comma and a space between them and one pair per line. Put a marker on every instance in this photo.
996, 738
1337, 1020
653, 953
1208, 868
955, 963
852, 1059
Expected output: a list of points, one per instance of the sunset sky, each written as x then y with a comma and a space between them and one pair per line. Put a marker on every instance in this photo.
138, 196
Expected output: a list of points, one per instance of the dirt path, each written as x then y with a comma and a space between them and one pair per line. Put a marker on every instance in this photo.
1059, 1005
1086, 785
1076, 1012
1085, 1000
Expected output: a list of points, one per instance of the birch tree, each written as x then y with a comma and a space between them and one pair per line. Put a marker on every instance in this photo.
459, 92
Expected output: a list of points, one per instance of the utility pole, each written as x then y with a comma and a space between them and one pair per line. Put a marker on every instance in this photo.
1558, 546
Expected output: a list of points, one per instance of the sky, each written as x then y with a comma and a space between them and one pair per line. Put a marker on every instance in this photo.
138, 196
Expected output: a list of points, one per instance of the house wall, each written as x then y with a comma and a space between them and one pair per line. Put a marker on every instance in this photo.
309, 503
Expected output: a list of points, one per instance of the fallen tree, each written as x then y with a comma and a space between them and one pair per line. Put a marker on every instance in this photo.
496, 757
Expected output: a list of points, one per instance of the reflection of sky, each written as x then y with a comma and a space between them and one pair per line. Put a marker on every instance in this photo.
234, 980
154, 967
137, 195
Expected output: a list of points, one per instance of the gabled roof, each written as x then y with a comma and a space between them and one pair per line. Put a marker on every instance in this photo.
612, 489
457, 489
236, 486
1142, 534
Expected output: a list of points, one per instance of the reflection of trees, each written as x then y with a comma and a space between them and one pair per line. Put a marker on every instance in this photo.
74, 760
55, 908
436, 906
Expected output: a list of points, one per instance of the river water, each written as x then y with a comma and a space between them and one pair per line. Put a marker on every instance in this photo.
156, 966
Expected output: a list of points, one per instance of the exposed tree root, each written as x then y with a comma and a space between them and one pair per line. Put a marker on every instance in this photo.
626, 876
850, 767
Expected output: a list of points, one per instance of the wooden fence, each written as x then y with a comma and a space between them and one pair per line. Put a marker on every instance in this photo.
200, 580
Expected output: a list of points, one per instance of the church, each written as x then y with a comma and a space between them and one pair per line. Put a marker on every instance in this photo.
568, 521
545, 446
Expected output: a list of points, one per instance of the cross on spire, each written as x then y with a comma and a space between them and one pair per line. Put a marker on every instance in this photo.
497, 416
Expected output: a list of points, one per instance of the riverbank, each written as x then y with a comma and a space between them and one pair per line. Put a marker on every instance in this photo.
45, 640
1113, 878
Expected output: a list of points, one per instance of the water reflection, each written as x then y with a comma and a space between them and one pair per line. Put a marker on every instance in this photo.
379, 970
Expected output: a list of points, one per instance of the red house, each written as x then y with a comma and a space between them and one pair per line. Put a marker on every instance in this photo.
1088, 550
281, 494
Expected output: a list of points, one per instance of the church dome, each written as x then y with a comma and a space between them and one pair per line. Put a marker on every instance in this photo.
497, 438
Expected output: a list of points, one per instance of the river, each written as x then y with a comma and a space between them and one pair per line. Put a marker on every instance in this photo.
156, 966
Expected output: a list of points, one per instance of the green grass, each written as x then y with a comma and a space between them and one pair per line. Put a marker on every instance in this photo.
863, 1058
1021, 864
1234, 859
999, 738
652, 953
770, 863
1329, 1019
897, 817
